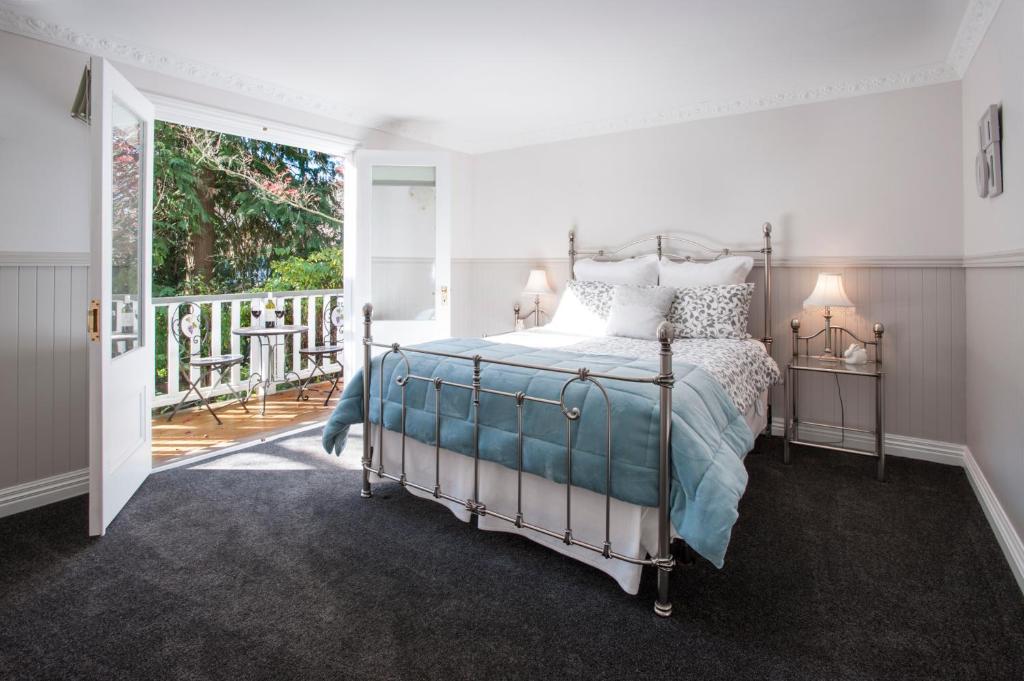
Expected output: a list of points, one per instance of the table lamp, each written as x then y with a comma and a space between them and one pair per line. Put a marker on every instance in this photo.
536, 286
828, 293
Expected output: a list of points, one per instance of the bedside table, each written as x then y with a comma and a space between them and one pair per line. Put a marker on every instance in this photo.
817, 434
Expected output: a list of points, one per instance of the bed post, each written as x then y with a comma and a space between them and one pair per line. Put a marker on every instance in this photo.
664, 561
572, 253
767, 250
367, 448
766, 228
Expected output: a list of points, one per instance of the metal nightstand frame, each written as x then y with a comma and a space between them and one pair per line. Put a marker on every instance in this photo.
806, 362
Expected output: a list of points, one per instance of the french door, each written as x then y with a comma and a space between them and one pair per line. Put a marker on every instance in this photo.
398, 257
120, 328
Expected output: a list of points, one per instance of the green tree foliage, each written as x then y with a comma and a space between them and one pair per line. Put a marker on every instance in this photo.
232, 214
317, 271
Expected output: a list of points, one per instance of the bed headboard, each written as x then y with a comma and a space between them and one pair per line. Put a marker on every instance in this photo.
683, 248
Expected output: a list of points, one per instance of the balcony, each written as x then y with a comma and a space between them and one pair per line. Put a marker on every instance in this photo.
193, 430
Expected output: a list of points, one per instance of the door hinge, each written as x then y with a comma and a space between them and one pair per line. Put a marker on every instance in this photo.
92, 320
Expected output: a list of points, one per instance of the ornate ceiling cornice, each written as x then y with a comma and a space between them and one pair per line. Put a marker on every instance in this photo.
977, 18
177, 67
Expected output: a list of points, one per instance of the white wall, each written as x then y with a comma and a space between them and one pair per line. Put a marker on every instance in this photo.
994, 226
865, 176
996, 76
44, 153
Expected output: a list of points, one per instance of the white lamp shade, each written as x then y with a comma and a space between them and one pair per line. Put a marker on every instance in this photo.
828, 292
537, 284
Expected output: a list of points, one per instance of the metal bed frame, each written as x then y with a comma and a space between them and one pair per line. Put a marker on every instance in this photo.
664, 561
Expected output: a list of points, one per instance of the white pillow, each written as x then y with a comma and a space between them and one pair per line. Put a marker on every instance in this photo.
642, 271
730, 270
637, 311
583, 308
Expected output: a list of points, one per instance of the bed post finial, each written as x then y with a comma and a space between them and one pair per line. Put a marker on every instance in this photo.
878, 329
572, 253
664, 561
665, 333
659, 247
367, 449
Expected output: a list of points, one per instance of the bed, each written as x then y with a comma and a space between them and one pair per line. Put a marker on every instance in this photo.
603, 448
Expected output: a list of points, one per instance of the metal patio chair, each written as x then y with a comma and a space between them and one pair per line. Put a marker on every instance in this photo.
332, 326
189, 331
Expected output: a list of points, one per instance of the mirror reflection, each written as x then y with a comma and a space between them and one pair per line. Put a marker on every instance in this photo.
403, 236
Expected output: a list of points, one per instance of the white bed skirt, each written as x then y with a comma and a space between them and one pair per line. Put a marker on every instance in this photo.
634, 529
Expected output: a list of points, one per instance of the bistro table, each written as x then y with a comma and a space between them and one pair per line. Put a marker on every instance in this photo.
269, 339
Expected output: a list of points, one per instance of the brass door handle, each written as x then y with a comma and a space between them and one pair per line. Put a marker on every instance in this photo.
92, 320
444, 295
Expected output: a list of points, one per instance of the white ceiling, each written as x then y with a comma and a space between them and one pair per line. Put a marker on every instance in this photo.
479, 75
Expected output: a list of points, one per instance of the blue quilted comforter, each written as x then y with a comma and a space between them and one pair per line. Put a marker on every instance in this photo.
708, 443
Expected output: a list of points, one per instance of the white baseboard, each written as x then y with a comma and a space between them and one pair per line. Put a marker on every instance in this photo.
936, 451
1006, 534
37, 493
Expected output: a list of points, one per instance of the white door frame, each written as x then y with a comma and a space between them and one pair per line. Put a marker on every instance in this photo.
183, 112
174, 110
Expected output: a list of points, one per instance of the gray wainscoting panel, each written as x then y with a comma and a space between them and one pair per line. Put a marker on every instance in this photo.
995, 387
43, 372
923, 346
44, 368
922, 309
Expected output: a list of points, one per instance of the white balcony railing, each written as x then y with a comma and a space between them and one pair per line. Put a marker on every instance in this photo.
222, 313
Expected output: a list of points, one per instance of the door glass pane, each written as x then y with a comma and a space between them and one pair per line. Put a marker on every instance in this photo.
126, 230
403, 242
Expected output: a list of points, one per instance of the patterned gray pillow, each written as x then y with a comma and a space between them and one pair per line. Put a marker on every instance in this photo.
712, 311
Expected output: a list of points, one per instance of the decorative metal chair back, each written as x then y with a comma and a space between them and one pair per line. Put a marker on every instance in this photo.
333, 324
187, 327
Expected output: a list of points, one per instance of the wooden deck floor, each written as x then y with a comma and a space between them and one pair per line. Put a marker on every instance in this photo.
195, 432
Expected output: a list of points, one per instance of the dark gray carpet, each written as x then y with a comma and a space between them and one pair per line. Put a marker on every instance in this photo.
270, 566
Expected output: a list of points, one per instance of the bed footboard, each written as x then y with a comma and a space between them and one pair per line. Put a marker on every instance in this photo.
664, 379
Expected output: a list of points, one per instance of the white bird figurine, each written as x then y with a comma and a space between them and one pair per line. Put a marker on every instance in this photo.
856, 354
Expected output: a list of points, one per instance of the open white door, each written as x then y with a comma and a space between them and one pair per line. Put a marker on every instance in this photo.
120, 352
398, 257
